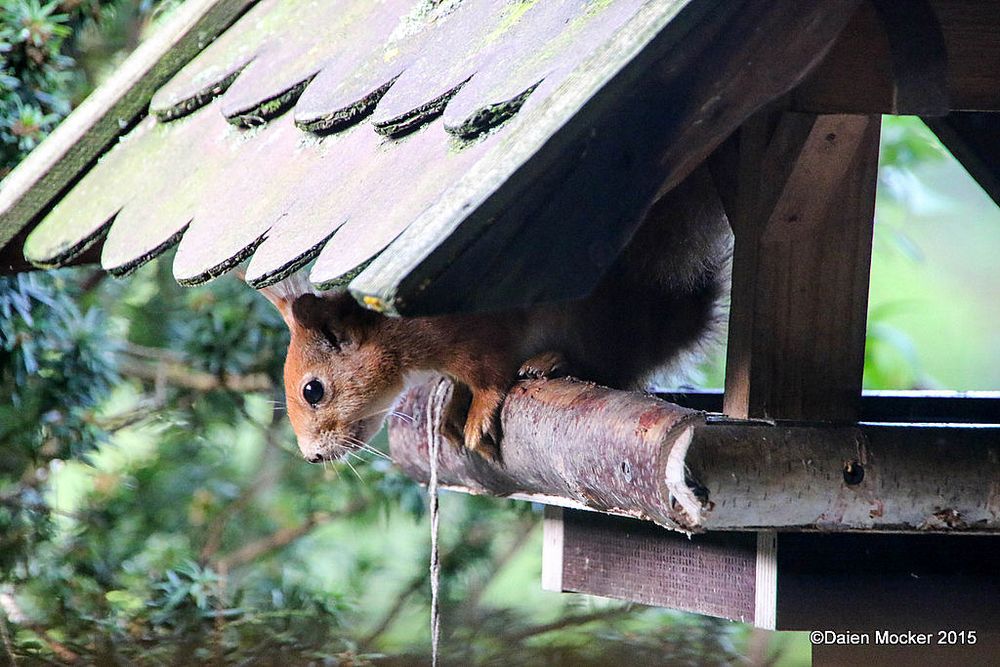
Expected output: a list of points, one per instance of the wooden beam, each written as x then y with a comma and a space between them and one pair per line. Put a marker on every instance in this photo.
911, 407
575, 444
903, 578
971, 31
802, 214
923, 57
93, 127
919, 57
889, 59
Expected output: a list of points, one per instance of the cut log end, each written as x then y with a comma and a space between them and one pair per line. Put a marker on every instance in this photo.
574, 441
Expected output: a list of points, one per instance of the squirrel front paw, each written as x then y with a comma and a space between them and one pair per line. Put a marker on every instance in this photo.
548, 365
482, 425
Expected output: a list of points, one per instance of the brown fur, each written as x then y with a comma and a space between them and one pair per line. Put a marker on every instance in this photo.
659, 301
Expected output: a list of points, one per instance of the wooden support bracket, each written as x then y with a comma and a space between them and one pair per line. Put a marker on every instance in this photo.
799, 191
921, 57
891, 58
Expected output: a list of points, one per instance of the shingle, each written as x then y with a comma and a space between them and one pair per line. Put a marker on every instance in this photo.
438, 62
290, 176
485, 151
132, 175
347, 91
164, 188
416, 167
213, 70
538, 51
279, 189
355, 161
252, 184
320, 34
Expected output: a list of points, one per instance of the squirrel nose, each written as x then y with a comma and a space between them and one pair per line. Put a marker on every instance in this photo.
312, 451
317, 455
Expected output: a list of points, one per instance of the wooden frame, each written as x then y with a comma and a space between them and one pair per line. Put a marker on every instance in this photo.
801, 203
923, 57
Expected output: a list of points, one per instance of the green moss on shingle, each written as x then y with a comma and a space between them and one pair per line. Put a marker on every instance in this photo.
490, 116
270, 108
510, 18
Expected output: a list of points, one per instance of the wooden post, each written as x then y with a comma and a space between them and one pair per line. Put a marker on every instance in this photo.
801, 204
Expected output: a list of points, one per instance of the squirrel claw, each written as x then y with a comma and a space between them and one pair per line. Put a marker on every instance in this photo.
547, 365
482, 426
486, 447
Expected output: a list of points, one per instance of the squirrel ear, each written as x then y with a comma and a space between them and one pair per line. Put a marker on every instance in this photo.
283, 294
336, 315
323, 315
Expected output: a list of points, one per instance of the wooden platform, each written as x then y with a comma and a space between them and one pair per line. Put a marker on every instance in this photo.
784, 581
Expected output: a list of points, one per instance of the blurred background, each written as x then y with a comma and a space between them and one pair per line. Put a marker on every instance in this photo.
154, 508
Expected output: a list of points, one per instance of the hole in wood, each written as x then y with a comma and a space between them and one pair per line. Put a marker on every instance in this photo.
854, 473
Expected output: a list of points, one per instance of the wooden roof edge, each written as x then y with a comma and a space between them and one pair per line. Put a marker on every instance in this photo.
93, 127
449, 259
575, 444
456, 219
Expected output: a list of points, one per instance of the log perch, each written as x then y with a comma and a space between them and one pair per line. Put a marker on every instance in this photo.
575, 444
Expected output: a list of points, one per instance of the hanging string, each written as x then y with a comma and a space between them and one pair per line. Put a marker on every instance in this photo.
434, 410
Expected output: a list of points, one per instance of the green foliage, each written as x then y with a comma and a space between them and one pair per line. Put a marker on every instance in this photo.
891, 358
34, 71
55, 367
131, 562
906, 144
47, 65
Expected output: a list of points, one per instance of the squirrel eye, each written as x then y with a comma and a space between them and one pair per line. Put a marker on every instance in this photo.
313, 392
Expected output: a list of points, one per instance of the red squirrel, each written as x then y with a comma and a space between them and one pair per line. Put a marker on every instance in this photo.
659, 301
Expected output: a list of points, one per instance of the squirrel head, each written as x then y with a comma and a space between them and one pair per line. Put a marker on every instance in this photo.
340, 377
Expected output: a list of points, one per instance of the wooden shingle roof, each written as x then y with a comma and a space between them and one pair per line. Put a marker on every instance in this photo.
442, 154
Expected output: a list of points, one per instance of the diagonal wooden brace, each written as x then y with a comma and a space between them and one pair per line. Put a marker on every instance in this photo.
801, 204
